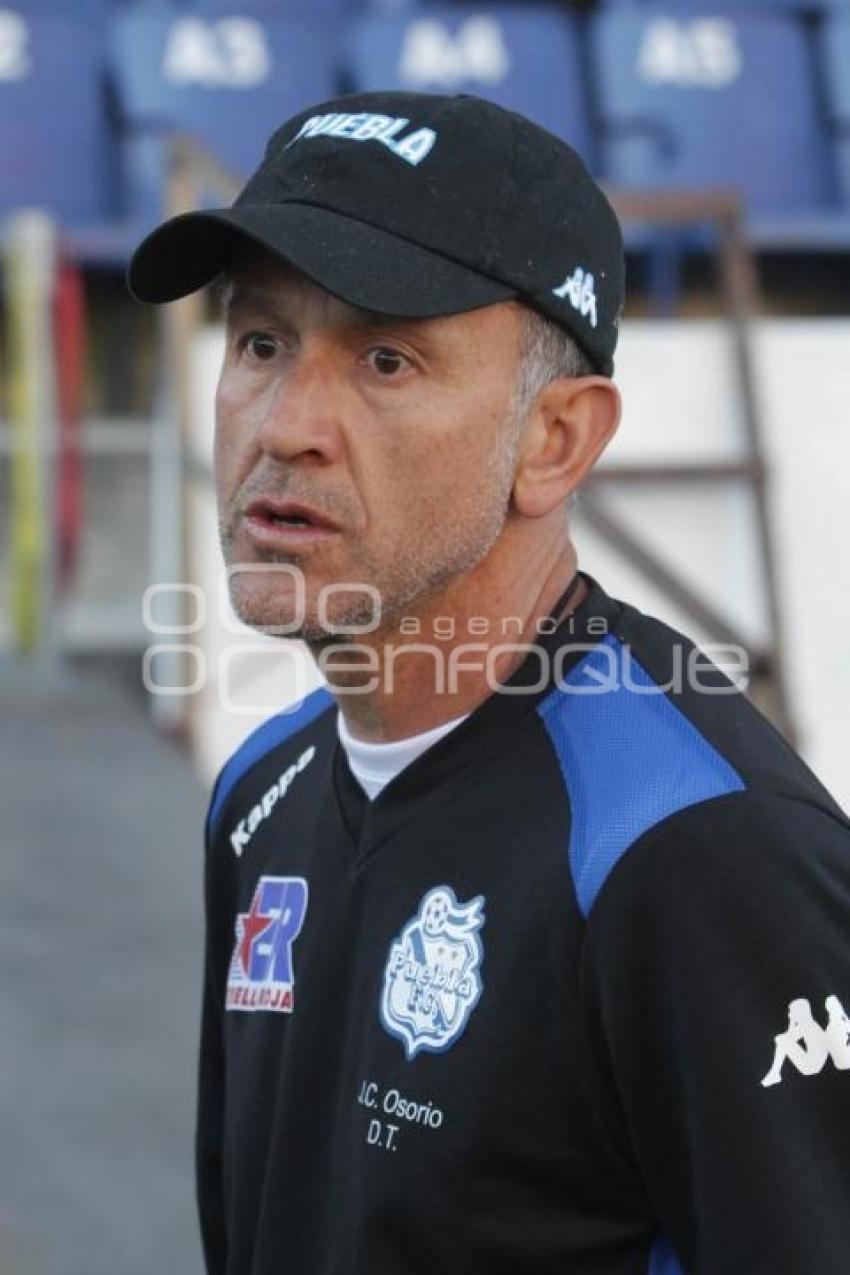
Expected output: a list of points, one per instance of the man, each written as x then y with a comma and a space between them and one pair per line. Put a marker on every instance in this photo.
502, 934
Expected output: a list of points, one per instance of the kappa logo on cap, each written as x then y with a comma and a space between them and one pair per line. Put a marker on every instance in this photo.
371, 128
579, 289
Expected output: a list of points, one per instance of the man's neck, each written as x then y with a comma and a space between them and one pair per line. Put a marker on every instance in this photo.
442, 661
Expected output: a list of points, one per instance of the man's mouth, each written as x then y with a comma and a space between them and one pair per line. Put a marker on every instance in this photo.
268, 521
291, 520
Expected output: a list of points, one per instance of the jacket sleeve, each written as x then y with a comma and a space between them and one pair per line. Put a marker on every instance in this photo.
209, 1157
716, 991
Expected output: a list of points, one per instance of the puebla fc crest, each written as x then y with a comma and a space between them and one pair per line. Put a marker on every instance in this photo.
432, 978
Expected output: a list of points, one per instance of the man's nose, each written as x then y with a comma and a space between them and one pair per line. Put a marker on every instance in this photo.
304, 411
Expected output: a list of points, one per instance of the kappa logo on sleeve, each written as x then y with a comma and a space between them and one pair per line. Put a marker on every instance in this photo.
261, 974
806, 1045
432, 979
245, 828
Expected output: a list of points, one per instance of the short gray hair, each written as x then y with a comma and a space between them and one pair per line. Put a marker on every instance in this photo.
547, 352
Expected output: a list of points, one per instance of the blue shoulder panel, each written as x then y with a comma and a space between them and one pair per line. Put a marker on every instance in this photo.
662, 1259
629, 758
262, 741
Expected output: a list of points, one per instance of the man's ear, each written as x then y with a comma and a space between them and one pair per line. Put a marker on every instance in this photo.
569, 425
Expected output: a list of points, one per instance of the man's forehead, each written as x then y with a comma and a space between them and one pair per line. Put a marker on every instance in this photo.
281, 291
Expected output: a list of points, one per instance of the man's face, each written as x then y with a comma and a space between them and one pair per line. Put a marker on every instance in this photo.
358, 449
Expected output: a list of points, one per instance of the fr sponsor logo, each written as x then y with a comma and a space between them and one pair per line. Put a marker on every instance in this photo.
806, 1046
261, 975
245, 828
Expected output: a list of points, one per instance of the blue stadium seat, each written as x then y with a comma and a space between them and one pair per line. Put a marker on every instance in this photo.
225, 81
67, 9
835, 60
526, 59
719, 99
683, 7
270, 10
57, 150
720, 6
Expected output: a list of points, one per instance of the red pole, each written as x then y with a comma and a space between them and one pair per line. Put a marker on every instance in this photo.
69, 327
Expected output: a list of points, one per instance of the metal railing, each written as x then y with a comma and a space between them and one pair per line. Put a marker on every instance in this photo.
721, 212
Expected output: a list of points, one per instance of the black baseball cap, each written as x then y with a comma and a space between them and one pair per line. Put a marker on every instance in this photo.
415, 205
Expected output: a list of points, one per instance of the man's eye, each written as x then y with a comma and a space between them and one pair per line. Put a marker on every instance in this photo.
386, 361
259, 346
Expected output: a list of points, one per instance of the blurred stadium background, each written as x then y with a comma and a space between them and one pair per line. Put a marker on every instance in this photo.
722, 132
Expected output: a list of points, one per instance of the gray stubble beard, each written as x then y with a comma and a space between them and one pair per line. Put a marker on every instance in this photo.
412, 579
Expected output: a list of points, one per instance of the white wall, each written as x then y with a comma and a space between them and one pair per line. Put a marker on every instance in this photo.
676, 380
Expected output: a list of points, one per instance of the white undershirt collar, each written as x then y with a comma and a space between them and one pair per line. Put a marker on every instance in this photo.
374, 765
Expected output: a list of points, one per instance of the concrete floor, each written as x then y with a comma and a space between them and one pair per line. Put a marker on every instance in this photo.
100, 963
